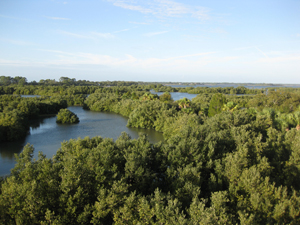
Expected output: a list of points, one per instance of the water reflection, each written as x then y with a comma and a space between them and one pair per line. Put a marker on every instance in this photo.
39, 126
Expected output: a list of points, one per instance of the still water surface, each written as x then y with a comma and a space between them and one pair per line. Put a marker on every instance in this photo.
46, 135
177, 95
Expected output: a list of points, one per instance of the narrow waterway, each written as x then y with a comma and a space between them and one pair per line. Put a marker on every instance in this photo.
46, 135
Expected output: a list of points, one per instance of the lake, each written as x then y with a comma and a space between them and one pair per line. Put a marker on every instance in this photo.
46, 135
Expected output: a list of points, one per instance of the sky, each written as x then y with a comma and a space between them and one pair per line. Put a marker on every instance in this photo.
255, 41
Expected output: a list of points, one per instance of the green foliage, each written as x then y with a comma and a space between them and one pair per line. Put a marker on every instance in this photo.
7, 80
13, 125
184, 103
233, 167
101, 102
125, 107
230, 107
213, 172
29, 108
216, 104
149, 97
285, 102
66, 116
207, 90
166, 97
144, 116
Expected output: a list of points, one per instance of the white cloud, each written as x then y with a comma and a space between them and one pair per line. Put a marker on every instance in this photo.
163, 8
16, 42
132, 7
11, 17
192, 55
201, 14
155, 33
61, 58
170, 8
10, 62
208, 63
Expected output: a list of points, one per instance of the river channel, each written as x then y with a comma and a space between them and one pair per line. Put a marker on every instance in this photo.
46, 135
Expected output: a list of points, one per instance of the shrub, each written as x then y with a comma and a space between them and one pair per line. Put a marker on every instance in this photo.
66, 116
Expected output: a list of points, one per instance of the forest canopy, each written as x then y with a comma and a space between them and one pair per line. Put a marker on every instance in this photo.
225, 159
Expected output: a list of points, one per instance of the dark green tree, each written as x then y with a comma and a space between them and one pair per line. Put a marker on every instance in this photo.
5, 80
66, 116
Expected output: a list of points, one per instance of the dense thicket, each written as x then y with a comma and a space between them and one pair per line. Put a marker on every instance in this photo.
232, 169
284, 102
239, 165
65, 116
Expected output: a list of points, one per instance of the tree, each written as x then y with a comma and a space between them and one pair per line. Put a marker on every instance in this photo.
4, 80
66, 116
19, 80
166, 97
184, 103
67, 80
230, 107
216, 104
149, 97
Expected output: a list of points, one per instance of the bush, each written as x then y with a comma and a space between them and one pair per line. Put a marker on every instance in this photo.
66, 116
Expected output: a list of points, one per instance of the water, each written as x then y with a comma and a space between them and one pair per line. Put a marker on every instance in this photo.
236, 85
46, 135
177, 95
30, 96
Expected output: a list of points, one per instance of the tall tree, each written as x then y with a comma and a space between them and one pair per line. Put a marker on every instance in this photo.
4, 80
216, 104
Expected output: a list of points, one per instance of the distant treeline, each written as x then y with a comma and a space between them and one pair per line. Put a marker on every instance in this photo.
207, 90
22, 81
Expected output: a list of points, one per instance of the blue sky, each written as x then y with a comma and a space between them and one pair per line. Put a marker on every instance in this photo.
151, 40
